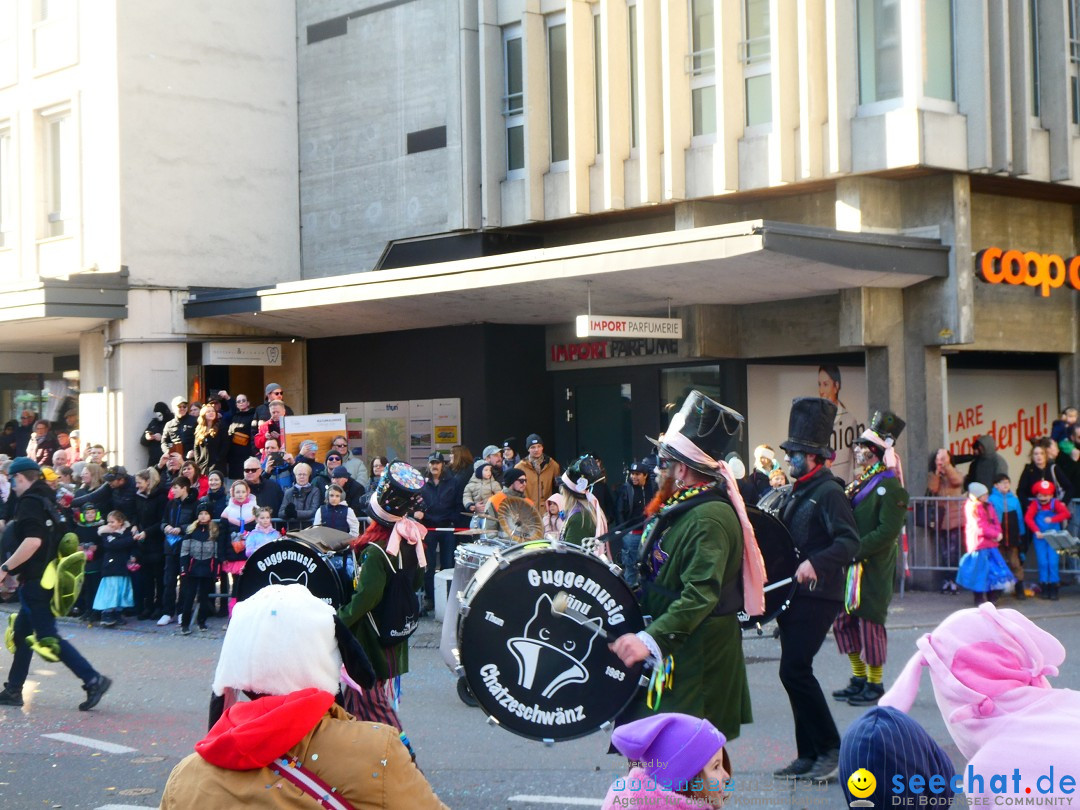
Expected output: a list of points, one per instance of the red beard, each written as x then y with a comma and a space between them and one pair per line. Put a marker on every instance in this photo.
666, 490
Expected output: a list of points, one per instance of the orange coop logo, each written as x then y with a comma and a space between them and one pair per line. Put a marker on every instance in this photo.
1044, 271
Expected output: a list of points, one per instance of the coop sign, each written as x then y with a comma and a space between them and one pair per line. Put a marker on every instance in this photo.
628, 326
1043, 271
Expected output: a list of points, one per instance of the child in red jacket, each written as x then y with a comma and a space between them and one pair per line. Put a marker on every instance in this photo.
1046, 513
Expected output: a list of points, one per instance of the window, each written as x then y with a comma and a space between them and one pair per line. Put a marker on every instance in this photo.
757, 68
632, 27
1074, 58
938, 78
880, 75
59, 171
7, 186
702, 67
1033, 54
559, 107
598, 84
513, 99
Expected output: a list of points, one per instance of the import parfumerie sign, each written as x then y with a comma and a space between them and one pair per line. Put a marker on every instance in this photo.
628, 326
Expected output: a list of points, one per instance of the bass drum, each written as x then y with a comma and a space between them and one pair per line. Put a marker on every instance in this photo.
541, 675
283, 562
781, 559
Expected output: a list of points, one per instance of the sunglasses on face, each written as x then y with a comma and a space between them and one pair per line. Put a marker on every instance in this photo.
276, 394
251, 469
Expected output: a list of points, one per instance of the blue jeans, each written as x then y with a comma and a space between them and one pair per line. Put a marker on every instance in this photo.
35, 616
1048, 561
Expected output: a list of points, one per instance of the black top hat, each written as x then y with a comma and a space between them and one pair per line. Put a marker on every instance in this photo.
581, 474
810, 427
887, 425
713, 428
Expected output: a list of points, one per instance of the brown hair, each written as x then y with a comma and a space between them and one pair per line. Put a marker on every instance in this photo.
463, 459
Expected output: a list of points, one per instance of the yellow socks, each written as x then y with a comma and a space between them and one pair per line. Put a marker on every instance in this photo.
858, 668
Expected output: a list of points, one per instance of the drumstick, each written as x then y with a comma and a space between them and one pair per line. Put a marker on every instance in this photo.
560, 606
779, 584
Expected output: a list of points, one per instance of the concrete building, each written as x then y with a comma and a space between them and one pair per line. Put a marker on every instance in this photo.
801, 183
146, 149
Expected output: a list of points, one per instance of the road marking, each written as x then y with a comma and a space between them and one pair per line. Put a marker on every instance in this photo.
121, 807
563, 800
100, 745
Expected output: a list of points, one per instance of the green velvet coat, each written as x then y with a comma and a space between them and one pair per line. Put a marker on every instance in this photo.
387, 662
577, 527
880, 517
705, 548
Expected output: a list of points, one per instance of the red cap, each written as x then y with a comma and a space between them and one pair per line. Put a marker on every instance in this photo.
1043, 487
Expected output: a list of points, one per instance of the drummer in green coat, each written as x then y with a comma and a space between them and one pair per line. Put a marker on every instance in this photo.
700, 565
880, 502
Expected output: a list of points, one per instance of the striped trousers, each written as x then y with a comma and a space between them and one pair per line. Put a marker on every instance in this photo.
855, 635
373, 705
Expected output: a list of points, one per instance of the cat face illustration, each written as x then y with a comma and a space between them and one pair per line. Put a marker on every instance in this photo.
551, 649
298, 580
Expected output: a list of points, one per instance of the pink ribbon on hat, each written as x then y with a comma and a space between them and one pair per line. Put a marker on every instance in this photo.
753, 567
413, 533
890, 458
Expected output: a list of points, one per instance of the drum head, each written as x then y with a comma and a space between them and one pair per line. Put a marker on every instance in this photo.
283, 562
543, 676
781, 559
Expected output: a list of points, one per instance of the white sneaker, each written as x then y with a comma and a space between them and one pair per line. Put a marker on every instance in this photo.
179, 618
164, 620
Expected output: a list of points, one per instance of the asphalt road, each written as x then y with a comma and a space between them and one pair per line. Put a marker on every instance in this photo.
120, 754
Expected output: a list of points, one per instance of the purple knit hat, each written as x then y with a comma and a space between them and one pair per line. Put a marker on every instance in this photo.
670, 747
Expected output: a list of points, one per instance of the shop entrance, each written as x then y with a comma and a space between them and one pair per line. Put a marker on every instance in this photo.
602, 416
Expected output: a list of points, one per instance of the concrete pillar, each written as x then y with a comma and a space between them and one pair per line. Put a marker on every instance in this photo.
866, 204
973, 76
651, 103
999, 98
537, 109
728, 30
465, 121
582, 101
492, 126
842, 72
1069, 380
615, 89
1019, 50
813, 90
1054, 90
783, 36
675, 46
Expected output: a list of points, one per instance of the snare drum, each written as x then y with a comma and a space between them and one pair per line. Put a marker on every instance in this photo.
282, 562
545, 676
473, 555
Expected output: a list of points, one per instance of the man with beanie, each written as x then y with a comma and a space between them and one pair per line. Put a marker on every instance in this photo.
178, 435
879, 502
541, 471
354, 490
292, 745
274, 393
34, 627
819, 517
513, 481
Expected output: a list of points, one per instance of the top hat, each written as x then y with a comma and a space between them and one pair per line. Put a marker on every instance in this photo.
581, 474
885, 428
397, 494
711, 428
810, 427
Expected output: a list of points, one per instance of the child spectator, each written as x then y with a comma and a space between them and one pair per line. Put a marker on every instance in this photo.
677, 762
264, 531
198, 567
480, 488
179, 512
1046, 513
236, 520
982, 569
778, 478
336, 514
1013, 532
553, 519
115, 592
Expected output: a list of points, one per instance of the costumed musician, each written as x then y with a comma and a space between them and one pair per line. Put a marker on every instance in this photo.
700, 565
879, 502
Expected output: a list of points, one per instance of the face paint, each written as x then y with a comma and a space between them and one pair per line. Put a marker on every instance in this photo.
797, 464
864, 457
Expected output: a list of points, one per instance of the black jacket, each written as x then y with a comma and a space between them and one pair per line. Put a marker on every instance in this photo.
178, 514
154, 426
30, 517
149, 512
439, 507
818, 515
268, 493
116, 549
242, 424
179, 431
211, 454
630, 502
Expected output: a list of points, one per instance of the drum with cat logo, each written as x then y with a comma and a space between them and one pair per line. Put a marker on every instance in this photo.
291, 559
543, 675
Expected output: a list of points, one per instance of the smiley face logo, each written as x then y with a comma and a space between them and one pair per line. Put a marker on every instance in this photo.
861, 783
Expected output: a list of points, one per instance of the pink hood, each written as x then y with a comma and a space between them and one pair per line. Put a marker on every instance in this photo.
989, 670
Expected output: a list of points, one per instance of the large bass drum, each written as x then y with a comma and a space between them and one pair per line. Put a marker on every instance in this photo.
544, 676
282, 562
781, 559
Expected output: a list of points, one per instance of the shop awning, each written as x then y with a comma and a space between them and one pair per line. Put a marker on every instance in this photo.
740, 263
48, 316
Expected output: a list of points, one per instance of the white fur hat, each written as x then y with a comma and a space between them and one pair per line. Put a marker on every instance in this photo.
280, 640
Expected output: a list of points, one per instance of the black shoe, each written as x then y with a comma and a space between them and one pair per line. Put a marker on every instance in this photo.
203, 628
1053, 591
826, 767
795, 768
95, 691
854, 687
10, 697
1019, 593
185, 631
1044, 590
110, 622
76, 612
143, 615
869, 696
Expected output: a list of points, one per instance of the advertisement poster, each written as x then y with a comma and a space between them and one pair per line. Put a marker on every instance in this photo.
1011, 406
770, 390
420, 438
354, 424
386, 429
319, 427
446, 423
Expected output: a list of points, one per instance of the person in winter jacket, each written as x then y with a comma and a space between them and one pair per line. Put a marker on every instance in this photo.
179, 513
241, 437
211, 442
677, 762
150, 502
982, 569
764, 465
1046, 513
541, 471
336, 514
1013, 529
152, 435
277, 465
987, 463
237, 519
354, 490
292, 732
198, 567
1041, 468
480, 488
114, 594
274, 427
438, 511
179, 432
264, 531
267, 493
302, 499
